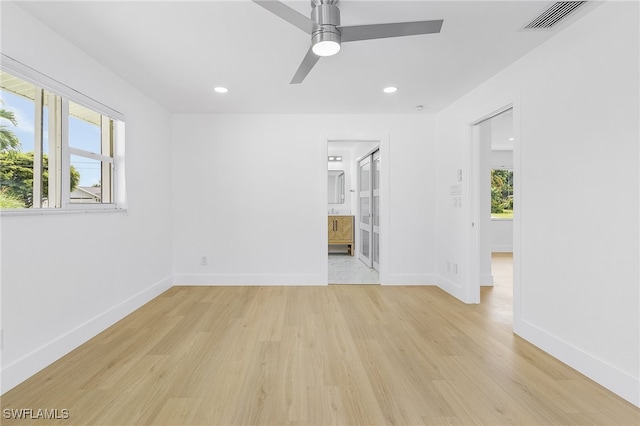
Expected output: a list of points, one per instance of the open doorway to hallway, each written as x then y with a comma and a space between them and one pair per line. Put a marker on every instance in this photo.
493, 203
499, 297
352, 209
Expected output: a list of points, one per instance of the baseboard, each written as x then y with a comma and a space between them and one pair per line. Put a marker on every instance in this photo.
250, 280
410, 279
486, 280
25, 367
609, 376
454, 289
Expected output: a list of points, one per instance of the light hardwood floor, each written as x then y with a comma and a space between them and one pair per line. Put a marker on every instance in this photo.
353, 355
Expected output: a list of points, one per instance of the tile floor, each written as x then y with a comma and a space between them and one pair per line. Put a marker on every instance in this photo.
347, 269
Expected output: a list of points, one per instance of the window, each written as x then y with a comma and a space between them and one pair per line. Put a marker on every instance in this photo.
55, 152
501, 194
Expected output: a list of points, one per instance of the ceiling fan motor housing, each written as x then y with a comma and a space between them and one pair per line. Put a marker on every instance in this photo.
327, 16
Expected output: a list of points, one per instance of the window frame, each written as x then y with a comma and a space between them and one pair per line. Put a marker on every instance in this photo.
65, 94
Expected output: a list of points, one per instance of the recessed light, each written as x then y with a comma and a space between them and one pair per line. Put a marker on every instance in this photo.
220, 89
510, 139
390, 89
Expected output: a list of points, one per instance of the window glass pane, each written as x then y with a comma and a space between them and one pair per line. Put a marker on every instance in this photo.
376, 211
84, 128
364, 177
17, 130
85, 179
364, 242
376, 173
501, 194
364, 210
376, 247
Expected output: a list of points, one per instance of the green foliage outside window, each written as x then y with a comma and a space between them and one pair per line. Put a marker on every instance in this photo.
8, 139
16, 179
502, 194
16, 169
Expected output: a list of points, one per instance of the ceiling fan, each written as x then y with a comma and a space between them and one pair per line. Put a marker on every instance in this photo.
327, 34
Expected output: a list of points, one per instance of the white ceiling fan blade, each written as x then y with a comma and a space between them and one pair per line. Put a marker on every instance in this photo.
308, 62
400, 29
288, 14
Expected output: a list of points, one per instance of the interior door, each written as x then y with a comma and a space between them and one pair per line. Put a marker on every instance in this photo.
365, 225
375, 210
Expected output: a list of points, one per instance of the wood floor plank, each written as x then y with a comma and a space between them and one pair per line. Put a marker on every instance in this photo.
337, 355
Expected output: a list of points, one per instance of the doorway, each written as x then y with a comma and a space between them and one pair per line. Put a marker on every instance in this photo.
359, 163
492, 201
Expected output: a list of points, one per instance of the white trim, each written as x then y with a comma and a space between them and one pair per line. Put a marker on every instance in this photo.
31, 75
70, 209
88, 154
471, 293
250, 279
495, 113
502, 248
23, 368
617, 381
412, 279
455, 289
37, 149
486, 280
65, 160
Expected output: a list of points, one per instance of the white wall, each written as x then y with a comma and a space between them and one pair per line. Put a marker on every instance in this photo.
59, 288
501, 236
250, 194
576, 111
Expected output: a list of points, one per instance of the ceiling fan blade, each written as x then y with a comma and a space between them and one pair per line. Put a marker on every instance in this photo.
308, 62
288, 14
400, 29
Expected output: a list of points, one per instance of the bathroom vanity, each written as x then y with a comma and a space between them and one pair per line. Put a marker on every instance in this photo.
341, 231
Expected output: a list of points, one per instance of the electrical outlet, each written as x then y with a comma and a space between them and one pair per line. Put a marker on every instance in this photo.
204, 261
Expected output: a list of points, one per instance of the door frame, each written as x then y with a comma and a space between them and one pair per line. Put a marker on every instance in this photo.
473, 281
383, 147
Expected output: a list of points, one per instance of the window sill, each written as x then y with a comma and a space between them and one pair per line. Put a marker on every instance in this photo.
45, 212
502, 219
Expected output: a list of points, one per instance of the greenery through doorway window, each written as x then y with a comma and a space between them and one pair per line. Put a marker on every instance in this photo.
501, 194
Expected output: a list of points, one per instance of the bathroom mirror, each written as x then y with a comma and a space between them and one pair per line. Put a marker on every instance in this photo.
336, 187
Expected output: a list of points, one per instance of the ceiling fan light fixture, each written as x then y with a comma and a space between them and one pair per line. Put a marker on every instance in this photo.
326, 43
326, 48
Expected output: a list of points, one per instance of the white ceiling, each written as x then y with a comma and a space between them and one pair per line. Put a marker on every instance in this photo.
177, 51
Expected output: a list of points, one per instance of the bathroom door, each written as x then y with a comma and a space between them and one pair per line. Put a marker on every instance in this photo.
375, 210
365, 225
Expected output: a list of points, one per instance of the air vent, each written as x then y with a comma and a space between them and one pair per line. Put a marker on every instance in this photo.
554, 14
